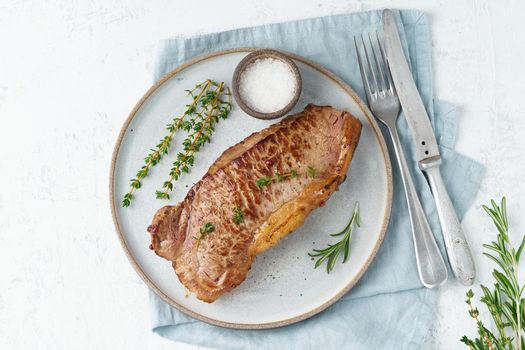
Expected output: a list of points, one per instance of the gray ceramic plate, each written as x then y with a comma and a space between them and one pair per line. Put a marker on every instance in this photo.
282, 287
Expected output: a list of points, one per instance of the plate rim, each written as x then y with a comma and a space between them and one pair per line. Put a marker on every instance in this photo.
274, 324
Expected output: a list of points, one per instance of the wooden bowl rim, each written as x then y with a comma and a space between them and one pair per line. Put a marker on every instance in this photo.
249, 59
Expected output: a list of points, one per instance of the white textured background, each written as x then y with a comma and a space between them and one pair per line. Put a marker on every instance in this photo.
70, 72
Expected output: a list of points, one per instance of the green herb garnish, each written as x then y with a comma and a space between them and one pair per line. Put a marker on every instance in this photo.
238, 216
332, 252
504, 301
311, 171
198, 120
263, 181
209, 110
279, 177
204, 230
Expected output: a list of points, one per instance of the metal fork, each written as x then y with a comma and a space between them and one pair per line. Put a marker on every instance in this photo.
384, 103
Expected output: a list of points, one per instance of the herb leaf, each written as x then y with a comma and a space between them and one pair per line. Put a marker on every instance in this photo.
201, 95
332, 252
279, 177
311, 171
238, 216
207, 228
263, 181
161, 149
209, 108
505, 301
204, 230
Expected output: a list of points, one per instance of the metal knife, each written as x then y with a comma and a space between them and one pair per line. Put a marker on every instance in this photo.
427, 152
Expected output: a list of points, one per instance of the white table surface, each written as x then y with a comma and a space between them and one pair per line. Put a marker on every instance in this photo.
70, 71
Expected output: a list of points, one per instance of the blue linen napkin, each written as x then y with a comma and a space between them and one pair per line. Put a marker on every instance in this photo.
388, 308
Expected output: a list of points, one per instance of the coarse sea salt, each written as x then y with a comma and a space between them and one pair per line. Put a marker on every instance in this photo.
267, 85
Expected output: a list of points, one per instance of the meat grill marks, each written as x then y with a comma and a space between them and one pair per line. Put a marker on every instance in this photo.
210, 265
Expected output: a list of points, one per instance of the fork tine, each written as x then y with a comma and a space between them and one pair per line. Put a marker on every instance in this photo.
364, 76
387, 67
381, 81
370, 67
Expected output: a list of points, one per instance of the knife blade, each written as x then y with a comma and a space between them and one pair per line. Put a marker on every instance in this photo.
427, 151
415, 112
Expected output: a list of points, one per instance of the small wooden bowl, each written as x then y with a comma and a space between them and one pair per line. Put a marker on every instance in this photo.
249, 59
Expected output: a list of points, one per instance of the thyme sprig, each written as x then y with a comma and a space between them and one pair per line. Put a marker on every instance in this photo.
485, 334
504, 301
212, 107
332, 252
204, 230
238, 216
161, 149
311, 171
263, 181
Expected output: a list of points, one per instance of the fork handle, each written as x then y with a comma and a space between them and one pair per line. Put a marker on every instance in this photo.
458, 250
430, 264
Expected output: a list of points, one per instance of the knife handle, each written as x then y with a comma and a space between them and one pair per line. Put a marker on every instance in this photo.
456, 244
430, 264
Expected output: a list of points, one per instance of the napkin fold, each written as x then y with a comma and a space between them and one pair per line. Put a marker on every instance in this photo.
388, 308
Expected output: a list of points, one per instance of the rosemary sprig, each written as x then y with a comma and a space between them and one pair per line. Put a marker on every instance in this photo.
504, 302
162, 147
332, 252
211, 108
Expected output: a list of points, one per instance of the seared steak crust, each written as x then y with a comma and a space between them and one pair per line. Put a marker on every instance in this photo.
212, 264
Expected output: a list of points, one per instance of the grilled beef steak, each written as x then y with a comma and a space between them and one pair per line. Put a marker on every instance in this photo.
257, 192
